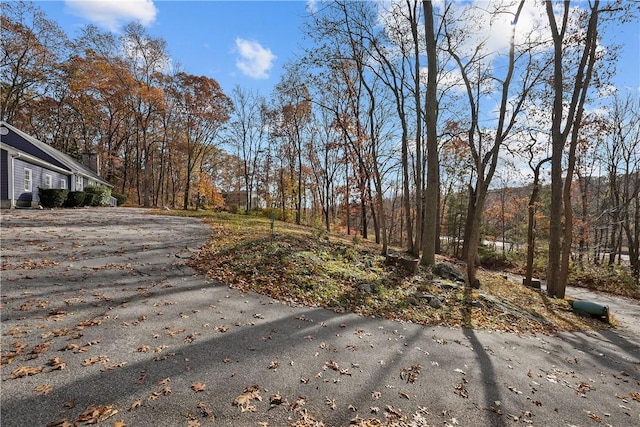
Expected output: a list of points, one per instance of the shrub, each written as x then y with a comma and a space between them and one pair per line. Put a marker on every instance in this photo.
100, 195
75, 199
52, 197
89, 199
490, 258
267, 213
615, 279
121, 198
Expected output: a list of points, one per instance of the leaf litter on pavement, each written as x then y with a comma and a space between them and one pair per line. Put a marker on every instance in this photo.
294, 267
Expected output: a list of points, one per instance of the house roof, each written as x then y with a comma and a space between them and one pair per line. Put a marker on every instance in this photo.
63, 160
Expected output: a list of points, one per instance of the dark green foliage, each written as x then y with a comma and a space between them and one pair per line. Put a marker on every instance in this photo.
52, 197
121, 198
75, 199
100, 195
89, 199
490, 258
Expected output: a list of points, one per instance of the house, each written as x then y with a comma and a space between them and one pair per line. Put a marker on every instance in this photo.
237, 200
27, 164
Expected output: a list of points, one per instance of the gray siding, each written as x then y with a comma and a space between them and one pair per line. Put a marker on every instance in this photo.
4, 175
38, 178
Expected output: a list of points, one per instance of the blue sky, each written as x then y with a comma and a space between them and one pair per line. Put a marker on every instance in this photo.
245, 43
242, 43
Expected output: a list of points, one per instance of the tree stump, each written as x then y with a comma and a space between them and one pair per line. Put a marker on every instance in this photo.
535, 283
406, 264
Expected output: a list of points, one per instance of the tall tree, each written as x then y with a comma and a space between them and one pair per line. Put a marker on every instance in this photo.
343, 29
622, 157
432, 191
513, 88
294, 113
32, 45
203, 109
247, 134
569, 97
148, 60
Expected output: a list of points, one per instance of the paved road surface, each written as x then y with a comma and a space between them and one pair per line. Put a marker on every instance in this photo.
99, 306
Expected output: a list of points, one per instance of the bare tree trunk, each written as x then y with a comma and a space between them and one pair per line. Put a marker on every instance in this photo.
560, 251
432, 193
407, 194
531, 226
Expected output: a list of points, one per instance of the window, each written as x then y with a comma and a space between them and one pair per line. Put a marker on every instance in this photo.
79, 182
28, 180
47, 181
63, 183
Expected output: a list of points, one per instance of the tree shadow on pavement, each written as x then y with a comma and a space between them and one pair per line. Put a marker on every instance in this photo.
489, 374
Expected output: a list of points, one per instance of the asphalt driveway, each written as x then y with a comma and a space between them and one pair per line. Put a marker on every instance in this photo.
103, 322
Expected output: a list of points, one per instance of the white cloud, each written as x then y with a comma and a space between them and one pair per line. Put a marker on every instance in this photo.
112, 14
312, 6
255, 61
480, 23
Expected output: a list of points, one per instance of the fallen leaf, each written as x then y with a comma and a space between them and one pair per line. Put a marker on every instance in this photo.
25, 371
14, 331
56, 364
43, 389
331, 402
40, 348
332, 365
97, 413
136, 404
62, 422
393, 411
461, 390
595, 417
243, 401
276, 400
582, 388
112, 366
198, 387
206, 411
513, 389
411, 374
95, 360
